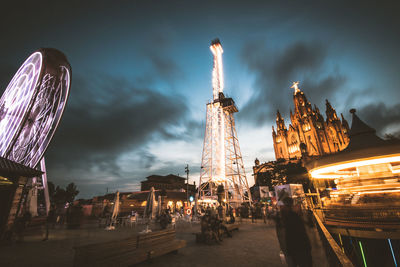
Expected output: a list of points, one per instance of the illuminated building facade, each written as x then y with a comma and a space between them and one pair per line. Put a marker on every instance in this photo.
134, 202
309, 127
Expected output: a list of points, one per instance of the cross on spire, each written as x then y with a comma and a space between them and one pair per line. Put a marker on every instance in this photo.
295, 86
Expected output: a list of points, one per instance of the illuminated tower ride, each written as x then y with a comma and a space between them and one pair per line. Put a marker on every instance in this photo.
222, 162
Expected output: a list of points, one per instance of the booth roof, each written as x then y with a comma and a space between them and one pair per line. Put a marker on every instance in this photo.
10, 169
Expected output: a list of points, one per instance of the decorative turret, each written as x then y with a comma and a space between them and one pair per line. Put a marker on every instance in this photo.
280, 123
345, 124
316, 109
301, 105
330, 112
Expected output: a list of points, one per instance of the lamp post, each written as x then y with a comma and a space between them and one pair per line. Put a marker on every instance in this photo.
187, 183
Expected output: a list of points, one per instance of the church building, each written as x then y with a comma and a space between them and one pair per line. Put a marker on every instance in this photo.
309, 127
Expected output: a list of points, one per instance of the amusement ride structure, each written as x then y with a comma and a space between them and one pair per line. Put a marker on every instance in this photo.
222, 162
31, 108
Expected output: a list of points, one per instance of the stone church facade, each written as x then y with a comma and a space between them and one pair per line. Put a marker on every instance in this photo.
308, 126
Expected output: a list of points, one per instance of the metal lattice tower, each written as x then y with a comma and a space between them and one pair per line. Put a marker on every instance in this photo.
222, 161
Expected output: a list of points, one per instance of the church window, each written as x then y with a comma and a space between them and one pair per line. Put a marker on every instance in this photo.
294, 145
293, 139
306, 127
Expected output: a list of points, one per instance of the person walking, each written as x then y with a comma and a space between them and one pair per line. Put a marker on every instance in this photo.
264, 213
297, 243
253, 214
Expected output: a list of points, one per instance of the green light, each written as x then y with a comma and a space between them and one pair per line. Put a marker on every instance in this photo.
341, 243
362, 253
391, 249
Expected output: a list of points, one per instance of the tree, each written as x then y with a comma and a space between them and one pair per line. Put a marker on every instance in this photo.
52, 190
59, 197
71, 193
282, 172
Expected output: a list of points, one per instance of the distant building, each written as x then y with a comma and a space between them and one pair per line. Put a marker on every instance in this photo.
308, 126
168, 182
171, 188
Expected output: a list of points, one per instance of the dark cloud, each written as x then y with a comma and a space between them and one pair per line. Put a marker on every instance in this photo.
147, 43
276, 70
146, 159
107, 117
385, 119
6, 74
157, 52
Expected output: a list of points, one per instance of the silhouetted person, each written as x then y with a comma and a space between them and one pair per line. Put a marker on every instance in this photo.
231, 217
253, 214
297, 243
220, 210
20, 225
50, 221
165, 219
264, 213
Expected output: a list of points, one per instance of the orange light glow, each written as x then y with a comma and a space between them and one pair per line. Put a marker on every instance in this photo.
363, 176
217, 74
338, 170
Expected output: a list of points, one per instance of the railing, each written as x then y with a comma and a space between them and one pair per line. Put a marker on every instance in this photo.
335, 255
382, 216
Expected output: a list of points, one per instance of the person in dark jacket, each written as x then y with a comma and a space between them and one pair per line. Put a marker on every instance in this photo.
298, 245
50, 221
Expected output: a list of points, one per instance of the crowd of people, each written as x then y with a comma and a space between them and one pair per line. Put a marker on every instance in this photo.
213, 223
290, 221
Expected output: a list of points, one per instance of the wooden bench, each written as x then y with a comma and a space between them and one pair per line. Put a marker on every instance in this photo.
128, 251
231, 227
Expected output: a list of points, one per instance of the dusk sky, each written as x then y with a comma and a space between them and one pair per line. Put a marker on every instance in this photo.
141, 76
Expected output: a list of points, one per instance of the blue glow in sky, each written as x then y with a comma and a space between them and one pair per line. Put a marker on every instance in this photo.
142, 75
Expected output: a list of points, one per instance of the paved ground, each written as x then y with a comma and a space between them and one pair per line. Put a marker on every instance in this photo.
255, 244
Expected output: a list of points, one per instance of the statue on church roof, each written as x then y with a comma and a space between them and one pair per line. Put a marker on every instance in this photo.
295, 86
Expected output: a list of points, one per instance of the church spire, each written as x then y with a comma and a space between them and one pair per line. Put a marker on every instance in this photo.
345, 123
330, 112
280, 123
